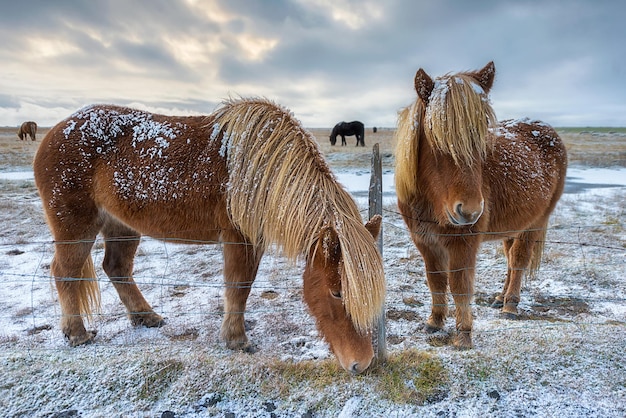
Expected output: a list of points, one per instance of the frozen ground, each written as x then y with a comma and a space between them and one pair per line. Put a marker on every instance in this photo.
564, 358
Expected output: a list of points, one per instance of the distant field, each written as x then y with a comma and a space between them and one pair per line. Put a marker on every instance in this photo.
599, 147
589, 146
588, 129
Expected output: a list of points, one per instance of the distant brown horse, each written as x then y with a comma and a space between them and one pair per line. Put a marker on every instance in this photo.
248, 175
27, 128
461, 179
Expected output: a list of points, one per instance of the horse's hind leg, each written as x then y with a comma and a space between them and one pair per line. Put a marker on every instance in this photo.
241, 263
519, 252
74, 230
120, 246
71, 263
499, 301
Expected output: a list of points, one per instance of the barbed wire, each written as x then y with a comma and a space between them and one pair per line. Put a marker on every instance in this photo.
507, 234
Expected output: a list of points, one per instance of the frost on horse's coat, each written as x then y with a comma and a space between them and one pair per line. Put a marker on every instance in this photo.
462, 178
248, 176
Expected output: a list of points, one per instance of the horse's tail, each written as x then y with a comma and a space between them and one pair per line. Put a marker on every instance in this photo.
535, 260
88, 293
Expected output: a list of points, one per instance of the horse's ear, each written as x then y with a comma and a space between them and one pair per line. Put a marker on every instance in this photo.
328, 247
424, 85
486, 76
373, 226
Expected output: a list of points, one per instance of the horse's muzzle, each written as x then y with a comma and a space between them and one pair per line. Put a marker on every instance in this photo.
463, 217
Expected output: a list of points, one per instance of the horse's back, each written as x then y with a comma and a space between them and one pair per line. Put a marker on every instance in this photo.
133, 165
357, 125
114, 135
350, 128
526, 173
534, 143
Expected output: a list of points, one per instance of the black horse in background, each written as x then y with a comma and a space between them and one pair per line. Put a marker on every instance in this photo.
347, 129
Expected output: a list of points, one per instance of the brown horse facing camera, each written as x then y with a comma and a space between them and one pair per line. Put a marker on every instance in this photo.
27, 129
248, 176
462, 178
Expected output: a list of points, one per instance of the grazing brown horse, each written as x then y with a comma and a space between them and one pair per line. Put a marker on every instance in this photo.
247, 175
27, 128
461, 179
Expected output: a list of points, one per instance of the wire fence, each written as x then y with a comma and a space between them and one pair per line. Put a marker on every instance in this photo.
584, 266
175, 275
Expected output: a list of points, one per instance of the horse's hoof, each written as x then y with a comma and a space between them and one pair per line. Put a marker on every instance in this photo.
463, 341
238, 344
150, 320
509, 315
430, 329
250, 349
243, 346
497, 304
86, 338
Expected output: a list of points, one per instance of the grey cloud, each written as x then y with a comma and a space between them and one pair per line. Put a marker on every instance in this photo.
549, 54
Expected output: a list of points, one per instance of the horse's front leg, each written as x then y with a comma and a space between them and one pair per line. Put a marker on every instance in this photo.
436, 261
461, 277
241, 262
343, 140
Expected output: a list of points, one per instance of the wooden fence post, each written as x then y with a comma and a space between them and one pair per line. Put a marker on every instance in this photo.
376, 208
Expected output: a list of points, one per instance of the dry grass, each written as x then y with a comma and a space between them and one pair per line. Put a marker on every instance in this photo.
597, 147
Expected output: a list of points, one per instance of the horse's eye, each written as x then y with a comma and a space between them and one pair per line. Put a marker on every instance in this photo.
336, 294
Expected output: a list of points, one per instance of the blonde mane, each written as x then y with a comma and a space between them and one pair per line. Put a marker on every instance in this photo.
456, 122
407, 149
281, 192
458, 117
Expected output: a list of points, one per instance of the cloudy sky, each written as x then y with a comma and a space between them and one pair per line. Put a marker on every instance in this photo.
562, 61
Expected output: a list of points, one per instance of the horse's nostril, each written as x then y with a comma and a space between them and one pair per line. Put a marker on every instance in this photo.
459, 209
354, 369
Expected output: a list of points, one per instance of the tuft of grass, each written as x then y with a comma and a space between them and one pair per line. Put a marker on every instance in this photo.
616, 224
158, 377
481, 369
285, 376
411, 376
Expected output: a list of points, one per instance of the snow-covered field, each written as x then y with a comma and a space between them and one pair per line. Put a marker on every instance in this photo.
565, 357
